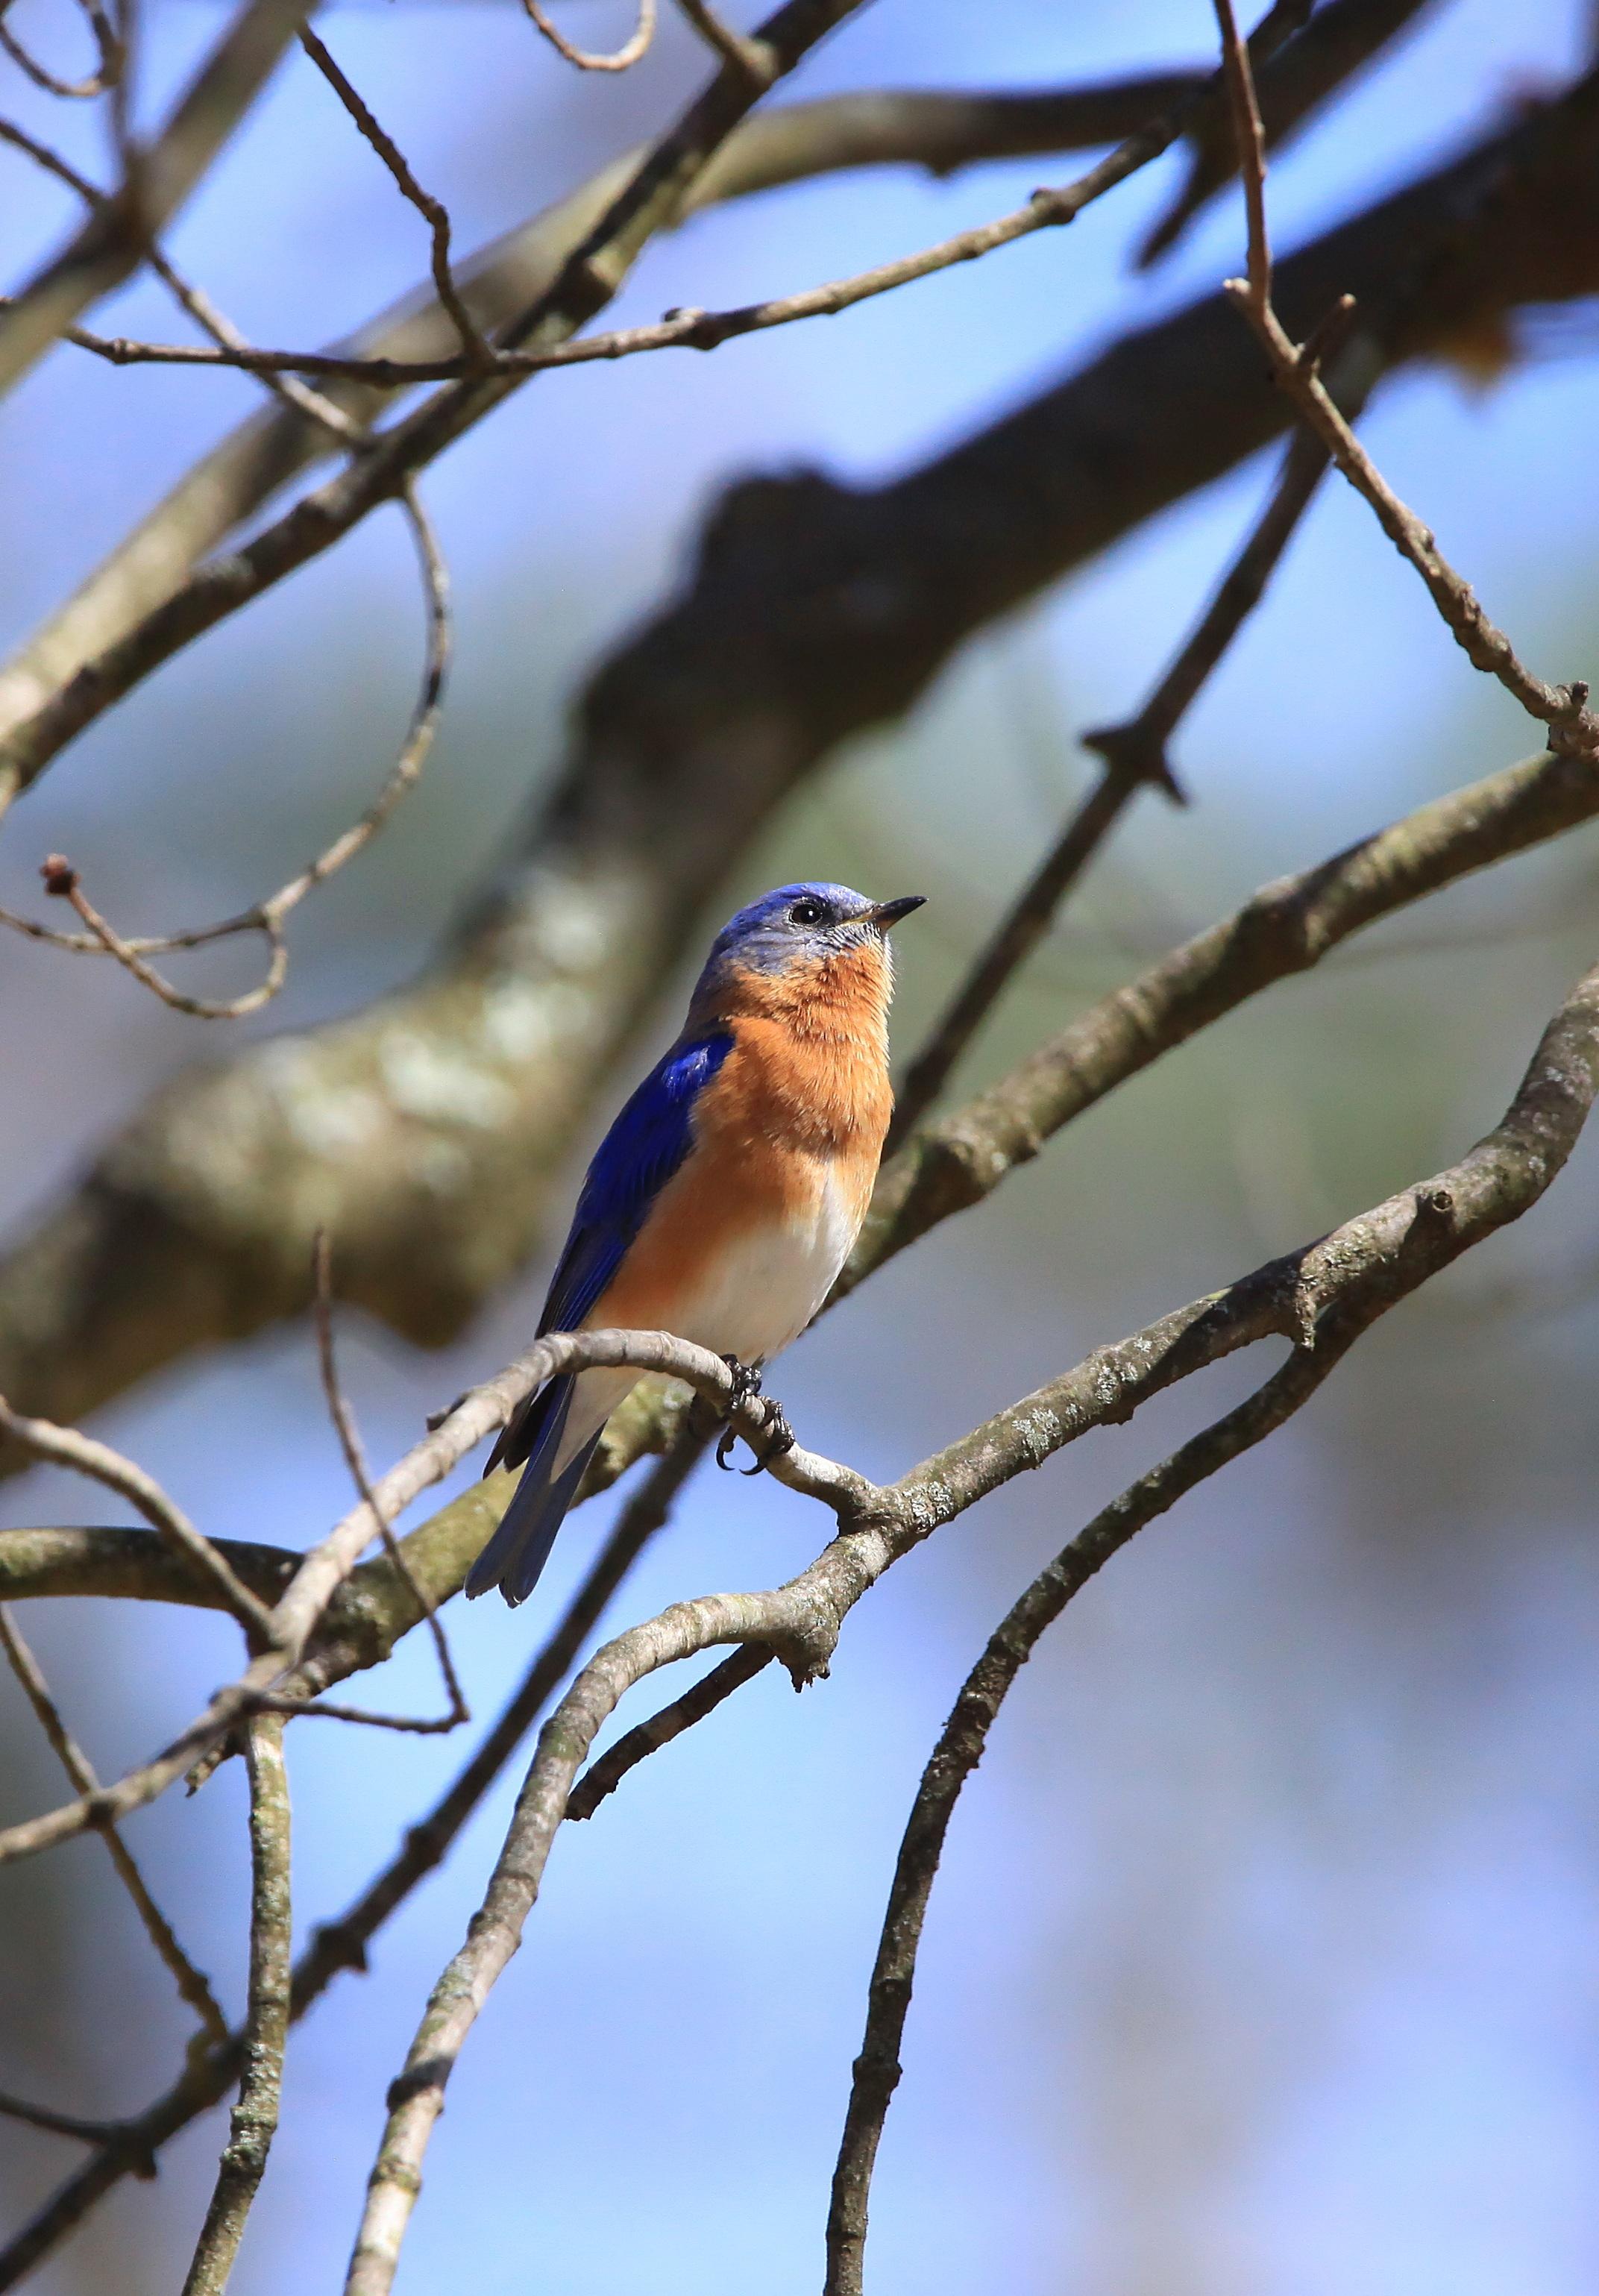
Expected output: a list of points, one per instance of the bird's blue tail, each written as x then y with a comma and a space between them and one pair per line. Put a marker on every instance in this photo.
521, 1546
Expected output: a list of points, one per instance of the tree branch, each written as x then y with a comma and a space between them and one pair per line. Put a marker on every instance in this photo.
1134, 757
243, 2161
1564, 708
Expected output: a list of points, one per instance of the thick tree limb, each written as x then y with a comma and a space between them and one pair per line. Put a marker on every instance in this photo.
424, 1132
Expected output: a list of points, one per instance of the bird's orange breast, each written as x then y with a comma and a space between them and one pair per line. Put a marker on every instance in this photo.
799, 1107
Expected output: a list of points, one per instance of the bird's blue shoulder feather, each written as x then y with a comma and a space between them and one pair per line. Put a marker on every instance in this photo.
639, 1154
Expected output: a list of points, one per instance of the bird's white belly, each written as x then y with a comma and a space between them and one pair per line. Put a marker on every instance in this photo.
762, 1289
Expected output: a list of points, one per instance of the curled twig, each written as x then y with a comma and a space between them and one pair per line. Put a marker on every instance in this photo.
619, 59
268, 918
109, 70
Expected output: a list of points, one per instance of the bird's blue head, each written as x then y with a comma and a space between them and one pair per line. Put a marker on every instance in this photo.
799, 928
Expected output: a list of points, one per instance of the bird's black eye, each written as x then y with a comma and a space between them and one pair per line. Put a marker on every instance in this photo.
807, 913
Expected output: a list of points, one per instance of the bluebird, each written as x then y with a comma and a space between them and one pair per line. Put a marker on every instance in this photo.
725, 1197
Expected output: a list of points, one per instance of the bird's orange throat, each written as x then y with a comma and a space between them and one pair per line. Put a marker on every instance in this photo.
811, 1063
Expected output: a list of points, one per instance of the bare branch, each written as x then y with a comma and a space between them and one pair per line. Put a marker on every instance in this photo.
355, 1458
1135, 758
298, 397
267, 916
960, 1748
1563, 709
192, 1986
433, 211
629, 53
1285, 929
1341, 38
602, 1778
255, 2116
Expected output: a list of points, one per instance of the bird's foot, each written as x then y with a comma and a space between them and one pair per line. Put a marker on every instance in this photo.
776, 1436
746, 1379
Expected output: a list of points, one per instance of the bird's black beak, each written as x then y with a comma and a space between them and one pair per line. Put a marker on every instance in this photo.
889, 913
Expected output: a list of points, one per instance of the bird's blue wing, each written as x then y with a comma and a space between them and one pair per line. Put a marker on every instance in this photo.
639, 1154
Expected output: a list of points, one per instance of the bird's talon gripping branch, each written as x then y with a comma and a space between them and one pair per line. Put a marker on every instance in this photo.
776, 1436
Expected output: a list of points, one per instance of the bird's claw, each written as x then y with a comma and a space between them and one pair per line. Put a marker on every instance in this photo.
776, 1436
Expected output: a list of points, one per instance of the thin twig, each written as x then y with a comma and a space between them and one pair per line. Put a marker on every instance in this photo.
255, 2117
476, 349
686, 329
1135, 758
618, 60
191, 1983
268, 918
109, 245
65, 1447
355, 1458
108, 74
603, 1777
751, 56
1563, 709
119, 2141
